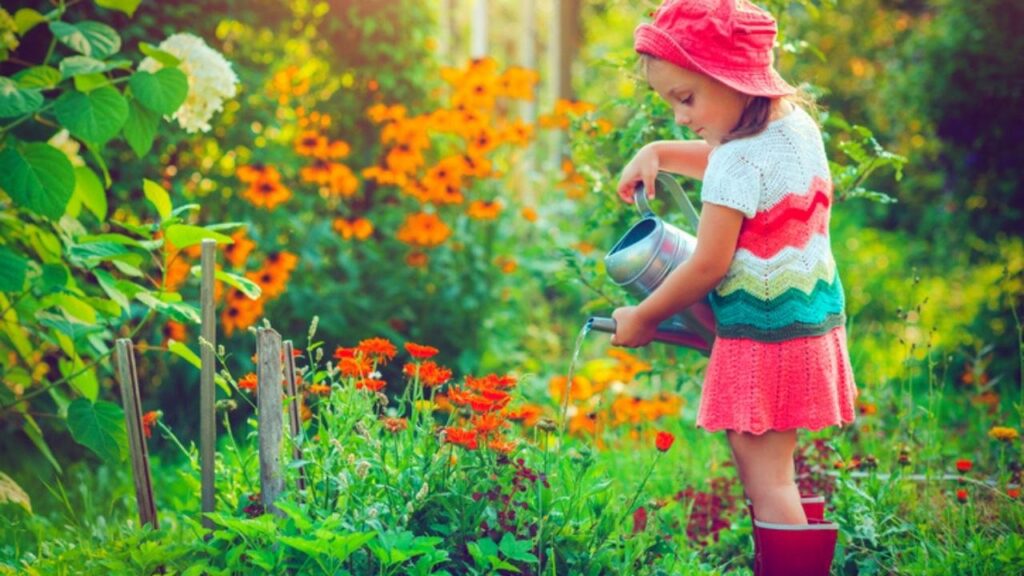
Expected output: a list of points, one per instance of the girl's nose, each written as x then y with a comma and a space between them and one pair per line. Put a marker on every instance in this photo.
682, 119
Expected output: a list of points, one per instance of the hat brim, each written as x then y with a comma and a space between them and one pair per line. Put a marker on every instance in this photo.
764, 81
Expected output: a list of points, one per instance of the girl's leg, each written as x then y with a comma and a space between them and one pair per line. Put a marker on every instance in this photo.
766, 468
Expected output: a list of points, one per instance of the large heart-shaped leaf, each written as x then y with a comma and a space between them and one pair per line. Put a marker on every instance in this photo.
18, 101
140, 129
100, 427
94, 117
37, 177
38, 77
12, 270
162, 91
78, 65
88, 38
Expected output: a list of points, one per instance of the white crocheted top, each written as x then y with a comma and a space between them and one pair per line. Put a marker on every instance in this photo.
782, 283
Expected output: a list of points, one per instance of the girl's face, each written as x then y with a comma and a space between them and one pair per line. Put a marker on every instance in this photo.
701, 103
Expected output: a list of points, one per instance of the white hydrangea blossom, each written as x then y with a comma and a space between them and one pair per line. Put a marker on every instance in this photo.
210, 79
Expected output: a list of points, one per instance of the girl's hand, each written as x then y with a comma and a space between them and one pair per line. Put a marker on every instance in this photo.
642, 168
632, 329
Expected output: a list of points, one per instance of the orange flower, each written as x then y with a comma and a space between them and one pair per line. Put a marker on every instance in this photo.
311, 143
379, 113
378, 350
336, 150
174, 331
355, 366
528, 414
465, 438
664, 441
371, 384
177, 273
581, 388
518, 83
320, 389
394, 425
866, 408
484, 210
148, 420
486, 424
420, 351
417, 259
507, 264
256, 173
424, 230
272, 281
267, 194
342, 181
248, 382
358, 228
240, 312
237, 252
502, 446
529, 214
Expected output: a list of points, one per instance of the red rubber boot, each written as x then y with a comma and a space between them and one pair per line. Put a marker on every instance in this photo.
795, 549
814, 509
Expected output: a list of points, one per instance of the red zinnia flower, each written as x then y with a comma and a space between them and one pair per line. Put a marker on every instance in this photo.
964, 465
248, 382
379, 350
148, 419
639, 520
664, 441
464, 438
419, 351
371, 385
961, 495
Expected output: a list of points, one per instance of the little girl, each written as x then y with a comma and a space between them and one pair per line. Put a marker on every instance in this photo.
780, 361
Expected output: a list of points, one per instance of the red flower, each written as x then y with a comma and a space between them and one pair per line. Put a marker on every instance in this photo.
961, 495
148, 419
341, 353
377, 349
639, 520
430, 373
395, 425
248, 382
664, 441
419, 351
1013, 492
371, 385
320, 389
464, 438
964, 465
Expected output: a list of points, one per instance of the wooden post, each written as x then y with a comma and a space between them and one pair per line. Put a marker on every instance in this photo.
478, 29
269, 407
294, 405
128, 379
207, 392
555, 73
528, 59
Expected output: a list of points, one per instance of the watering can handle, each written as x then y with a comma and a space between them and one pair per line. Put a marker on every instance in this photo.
675, 191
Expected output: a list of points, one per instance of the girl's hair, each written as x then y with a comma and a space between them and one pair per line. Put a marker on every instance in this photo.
757, 114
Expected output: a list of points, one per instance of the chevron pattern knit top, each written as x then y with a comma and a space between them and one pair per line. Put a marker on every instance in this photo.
782, 283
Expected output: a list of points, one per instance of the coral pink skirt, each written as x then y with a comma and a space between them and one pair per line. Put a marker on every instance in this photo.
754, 387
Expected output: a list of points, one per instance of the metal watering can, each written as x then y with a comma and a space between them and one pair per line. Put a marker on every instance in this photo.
645, 255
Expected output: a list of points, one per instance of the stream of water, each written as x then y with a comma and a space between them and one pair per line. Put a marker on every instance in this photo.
572, 369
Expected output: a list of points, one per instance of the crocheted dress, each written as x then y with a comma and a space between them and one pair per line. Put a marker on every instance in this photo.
780, 360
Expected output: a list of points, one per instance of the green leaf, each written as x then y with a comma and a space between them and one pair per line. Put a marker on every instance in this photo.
157, 196
165, 58
93, 253
178, 310
140, 129
72, 305
11, 493
54, 278
12, 270
84, 382
162, 91
35, 434
110, 286
515, 550
88, 38
242, 284
89, 189
100, 427
94, 117
186, 353
26, 19
89, 82
126, 6
39, 178
18, 101
38, 77
77, 65
184, 235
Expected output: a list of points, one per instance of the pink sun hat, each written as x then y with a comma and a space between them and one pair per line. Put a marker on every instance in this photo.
729, 40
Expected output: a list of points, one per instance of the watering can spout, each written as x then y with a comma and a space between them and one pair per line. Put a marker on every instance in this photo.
668, 333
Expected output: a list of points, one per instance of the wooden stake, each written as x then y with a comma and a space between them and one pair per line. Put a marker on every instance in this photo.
128, 379
269, 407
294, 409
207, 392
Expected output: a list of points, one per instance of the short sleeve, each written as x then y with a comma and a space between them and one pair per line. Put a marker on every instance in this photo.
730, 180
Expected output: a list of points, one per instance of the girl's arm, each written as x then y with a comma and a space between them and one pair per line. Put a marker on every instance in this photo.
717, 234
686, 157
